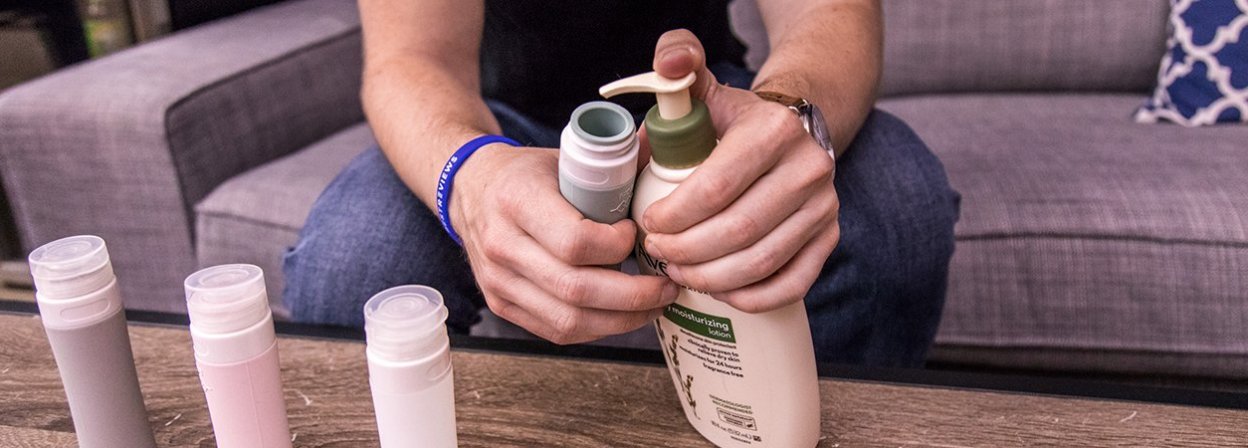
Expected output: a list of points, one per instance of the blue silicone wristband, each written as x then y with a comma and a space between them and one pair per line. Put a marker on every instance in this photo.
447, 179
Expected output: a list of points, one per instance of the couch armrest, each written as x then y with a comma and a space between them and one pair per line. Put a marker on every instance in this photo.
124, 146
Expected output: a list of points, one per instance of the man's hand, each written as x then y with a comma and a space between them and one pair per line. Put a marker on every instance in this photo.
754, 224
537, 260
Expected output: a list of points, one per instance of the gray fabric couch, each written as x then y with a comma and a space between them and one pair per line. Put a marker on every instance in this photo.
1087, 242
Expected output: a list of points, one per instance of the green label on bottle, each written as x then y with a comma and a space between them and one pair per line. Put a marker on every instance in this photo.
714, 327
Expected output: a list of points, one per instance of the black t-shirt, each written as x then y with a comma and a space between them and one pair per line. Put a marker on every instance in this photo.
545, 57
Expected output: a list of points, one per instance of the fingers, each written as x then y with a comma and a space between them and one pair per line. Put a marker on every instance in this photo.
791, 283
526, 245
585, 286
744, 153
762, 259
523, 303
564, 232
758, 211
679, 53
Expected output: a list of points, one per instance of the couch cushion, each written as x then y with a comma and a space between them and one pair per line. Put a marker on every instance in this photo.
1084, 230
933, 46
255, 216
961, 46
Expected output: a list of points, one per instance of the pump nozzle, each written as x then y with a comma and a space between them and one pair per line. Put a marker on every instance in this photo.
672, 94
679, 128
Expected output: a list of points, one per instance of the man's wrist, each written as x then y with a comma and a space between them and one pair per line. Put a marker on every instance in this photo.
788, 83
446, 178
810, 115
473, 178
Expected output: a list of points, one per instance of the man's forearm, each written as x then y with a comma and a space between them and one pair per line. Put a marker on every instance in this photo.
420, 114
830, 54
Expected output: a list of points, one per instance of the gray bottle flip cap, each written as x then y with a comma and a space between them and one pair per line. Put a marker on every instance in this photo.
602, 123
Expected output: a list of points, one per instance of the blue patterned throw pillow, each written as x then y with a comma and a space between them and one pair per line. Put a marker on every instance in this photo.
1204, 75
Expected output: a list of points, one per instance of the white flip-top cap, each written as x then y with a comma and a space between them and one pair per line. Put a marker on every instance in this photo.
226, 298
405, 322
71, 267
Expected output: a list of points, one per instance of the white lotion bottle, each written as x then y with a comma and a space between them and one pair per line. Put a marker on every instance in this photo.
744, 380
409, 368
598, 161
82, 313
236, 354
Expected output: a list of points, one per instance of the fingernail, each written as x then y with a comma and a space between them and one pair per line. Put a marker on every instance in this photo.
652, 249
674, 273
670, 292
675, 52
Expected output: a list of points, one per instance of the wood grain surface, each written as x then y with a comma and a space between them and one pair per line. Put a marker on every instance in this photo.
507, 400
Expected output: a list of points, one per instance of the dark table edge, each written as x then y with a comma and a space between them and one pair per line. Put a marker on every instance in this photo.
994, 382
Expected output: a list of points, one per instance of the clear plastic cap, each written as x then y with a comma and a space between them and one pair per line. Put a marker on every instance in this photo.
226, 298
71, 267
405, 322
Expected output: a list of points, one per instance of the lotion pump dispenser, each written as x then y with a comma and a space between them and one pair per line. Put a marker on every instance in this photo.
744, 380
679, 127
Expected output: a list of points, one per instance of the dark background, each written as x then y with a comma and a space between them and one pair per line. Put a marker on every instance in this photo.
60, 22
188, 13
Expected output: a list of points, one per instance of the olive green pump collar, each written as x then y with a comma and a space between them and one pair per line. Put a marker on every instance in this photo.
683, 142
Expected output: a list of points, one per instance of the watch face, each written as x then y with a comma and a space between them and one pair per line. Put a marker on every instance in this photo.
817, 127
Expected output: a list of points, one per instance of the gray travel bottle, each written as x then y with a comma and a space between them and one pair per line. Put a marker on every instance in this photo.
598, 161
82, 313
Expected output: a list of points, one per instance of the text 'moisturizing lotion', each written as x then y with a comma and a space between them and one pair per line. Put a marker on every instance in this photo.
409, 368
236, 354
744, 380
82, 313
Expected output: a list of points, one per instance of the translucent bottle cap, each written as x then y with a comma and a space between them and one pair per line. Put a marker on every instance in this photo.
71, 267
404, 322
226, 298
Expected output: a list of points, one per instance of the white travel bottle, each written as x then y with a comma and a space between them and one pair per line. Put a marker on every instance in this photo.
598, 161
409, 368
744, 380
236, 354
82, 313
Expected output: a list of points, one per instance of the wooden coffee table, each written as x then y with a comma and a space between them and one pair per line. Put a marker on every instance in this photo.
535, 395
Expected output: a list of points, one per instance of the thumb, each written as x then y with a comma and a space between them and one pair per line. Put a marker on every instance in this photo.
679, 53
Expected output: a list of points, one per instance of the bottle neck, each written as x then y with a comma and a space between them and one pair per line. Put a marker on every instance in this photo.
673, 175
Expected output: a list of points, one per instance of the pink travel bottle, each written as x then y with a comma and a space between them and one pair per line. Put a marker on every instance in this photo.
236, 353
81, 310
409, 368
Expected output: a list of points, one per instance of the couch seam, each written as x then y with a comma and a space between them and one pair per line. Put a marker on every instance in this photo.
188, 208
246, 220
1075, 236
1089, 349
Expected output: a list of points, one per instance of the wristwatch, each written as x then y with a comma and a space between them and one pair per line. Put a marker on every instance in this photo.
809, 113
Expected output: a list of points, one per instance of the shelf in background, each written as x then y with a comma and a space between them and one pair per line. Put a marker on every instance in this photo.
15, 283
